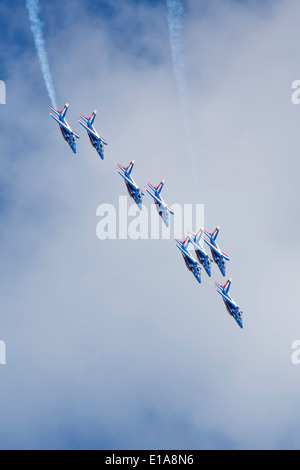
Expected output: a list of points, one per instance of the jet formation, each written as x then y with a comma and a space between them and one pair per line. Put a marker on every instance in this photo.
70, 136
218, 258
192, 262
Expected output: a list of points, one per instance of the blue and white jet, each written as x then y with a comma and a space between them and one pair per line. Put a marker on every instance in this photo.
190, 261
68, 134
96, 141
230, 304
163, 209
202, 256
134, 191
219, 257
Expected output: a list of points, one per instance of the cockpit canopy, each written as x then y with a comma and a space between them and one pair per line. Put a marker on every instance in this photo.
240, 313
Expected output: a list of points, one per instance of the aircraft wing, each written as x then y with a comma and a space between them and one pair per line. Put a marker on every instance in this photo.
170, 210
89, 130
186, 253
64, 126
61, 123
103, 141
151, 186
84, 118
216, 249
121, 167
207, 233
196, 245
160, 201
128, 181
227, 299
55, 110
155, 197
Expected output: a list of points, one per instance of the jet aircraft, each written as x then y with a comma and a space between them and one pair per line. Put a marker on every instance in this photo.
163, 209
230, 304
202, 256
190, 261
219, 257
96, 141
134, 191
68, 134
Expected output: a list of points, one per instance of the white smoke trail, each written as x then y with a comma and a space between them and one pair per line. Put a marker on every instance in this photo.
36, 26
175, 14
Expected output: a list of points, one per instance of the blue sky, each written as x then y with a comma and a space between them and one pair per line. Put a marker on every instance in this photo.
113, 345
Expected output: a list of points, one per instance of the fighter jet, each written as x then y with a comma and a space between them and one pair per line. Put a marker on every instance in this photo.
134, 191
231, 306
96, 141
163, 209
68, 134
218, 256
190, 261
202, 256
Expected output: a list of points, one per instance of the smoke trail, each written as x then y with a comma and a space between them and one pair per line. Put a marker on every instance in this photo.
36, 26
175, 14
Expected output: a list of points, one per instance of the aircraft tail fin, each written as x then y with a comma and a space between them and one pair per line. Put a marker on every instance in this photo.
64, 110
186, 241
130, 167
160, 186
92, 117
227, 285
183, 243
215, 233
199, 234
